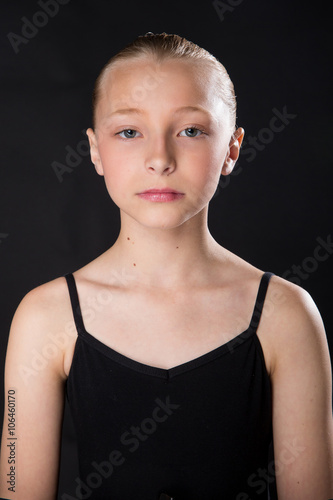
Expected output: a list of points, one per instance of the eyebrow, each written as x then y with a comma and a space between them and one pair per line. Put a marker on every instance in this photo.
127, 111
138, 111
193, 109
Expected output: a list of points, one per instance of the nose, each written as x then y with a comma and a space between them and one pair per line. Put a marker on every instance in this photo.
160, 158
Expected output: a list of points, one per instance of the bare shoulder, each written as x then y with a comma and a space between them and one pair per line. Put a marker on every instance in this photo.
291, 320
43, 323
42, 305
34, 371
302, 392
43, 297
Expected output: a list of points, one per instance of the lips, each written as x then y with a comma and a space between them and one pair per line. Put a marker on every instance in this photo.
161, 194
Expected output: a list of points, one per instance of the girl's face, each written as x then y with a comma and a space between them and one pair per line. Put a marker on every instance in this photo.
162, 139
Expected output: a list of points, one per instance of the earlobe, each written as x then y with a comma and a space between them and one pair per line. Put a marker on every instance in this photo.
233, 151
94, 152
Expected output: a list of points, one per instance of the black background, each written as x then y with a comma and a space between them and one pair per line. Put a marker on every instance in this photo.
270, 212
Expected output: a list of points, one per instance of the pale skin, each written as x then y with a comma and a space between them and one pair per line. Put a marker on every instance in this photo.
199, 294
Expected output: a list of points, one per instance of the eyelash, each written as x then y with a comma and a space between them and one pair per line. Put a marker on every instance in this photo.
195, 128
187, 128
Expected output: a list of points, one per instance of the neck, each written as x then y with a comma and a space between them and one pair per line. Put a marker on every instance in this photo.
167, 257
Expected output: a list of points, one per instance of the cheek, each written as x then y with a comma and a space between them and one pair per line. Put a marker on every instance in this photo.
206, 170
115, 170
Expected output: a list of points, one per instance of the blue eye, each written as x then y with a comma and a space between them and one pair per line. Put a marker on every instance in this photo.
188, 132
128, 133
191, 132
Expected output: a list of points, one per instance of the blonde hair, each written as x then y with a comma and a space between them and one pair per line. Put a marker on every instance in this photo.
164, 46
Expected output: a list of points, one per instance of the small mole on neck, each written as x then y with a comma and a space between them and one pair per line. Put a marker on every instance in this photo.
134, 264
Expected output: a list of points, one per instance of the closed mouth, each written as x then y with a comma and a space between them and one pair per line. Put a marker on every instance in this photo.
160, 191
160, 195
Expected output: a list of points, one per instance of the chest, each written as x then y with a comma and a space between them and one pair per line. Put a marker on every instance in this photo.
165, 330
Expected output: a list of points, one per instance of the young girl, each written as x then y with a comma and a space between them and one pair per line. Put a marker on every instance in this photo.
181, 362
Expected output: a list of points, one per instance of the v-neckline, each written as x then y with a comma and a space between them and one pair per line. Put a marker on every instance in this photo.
166, 373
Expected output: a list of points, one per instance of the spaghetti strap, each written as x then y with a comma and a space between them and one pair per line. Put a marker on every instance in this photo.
75, 303
258, 307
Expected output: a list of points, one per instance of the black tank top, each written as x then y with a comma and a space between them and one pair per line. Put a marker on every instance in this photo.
198, 431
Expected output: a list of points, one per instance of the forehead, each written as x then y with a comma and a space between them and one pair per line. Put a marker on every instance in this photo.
143, 82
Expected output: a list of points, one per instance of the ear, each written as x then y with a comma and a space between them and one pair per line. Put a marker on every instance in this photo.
233, 151
94, 152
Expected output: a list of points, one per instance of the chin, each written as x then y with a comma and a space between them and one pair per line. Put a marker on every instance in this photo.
161, 221
162, 216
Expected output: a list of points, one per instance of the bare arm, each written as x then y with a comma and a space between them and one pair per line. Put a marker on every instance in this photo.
302, 401
34, 382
